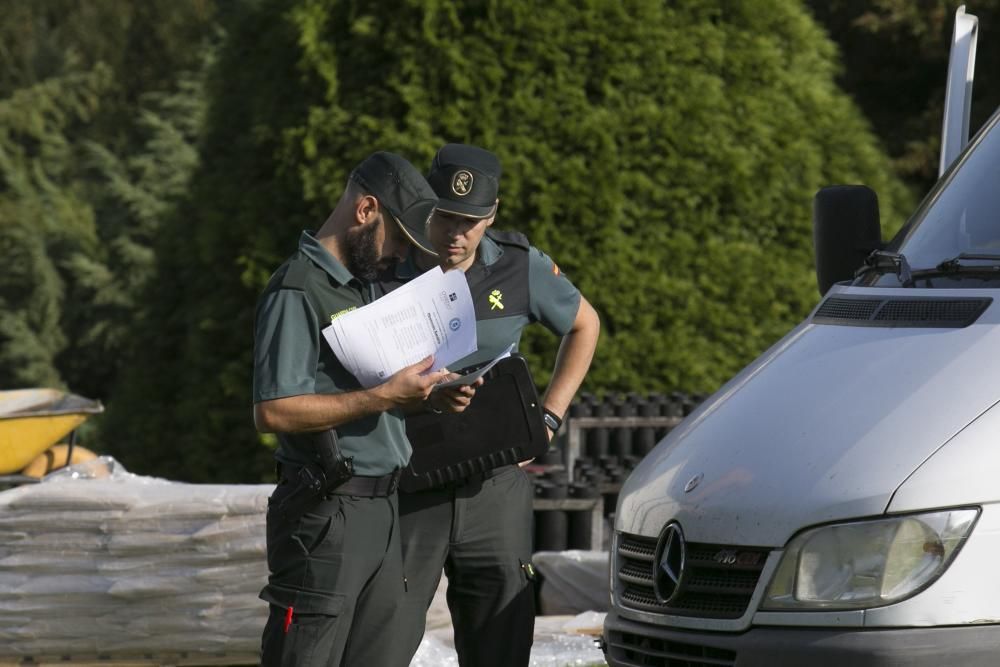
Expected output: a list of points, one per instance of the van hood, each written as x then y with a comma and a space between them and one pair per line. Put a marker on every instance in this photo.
824, 426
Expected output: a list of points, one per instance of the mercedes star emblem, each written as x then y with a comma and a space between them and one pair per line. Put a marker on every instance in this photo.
694, 482
669, 560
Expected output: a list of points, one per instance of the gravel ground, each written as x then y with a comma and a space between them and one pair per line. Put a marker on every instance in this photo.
560, 641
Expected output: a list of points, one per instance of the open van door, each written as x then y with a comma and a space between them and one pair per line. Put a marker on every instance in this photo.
958, 93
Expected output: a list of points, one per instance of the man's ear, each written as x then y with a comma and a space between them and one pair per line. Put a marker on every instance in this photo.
366, 209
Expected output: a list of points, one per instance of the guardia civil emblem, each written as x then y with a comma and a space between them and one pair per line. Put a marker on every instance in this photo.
461, 183
496, 300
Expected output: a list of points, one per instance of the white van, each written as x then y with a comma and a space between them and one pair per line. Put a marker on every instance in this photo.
838, 502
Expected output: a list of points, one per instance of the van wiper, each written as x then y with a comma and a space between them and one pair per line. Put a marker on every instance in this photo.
884, 261
957, 266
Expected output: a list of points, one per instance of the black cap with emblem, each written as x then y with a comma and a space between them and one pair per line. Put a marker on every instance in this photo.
402, 191
466, 180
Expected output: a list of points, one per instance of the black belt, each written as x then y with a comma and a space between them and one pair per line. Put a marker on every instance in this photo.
359, 485
369, 487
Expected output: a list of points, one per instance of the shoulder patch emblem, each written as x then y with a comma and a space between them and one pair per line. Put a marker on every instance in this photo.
496, 300
337, 314
461, 183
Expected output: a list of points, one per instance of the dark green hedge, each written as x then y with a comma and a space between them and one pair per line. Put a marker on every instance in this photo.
665, 154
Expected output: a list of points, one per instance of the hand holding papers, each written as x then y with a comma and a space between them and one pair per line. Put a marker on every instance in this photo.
469, 378
430, 315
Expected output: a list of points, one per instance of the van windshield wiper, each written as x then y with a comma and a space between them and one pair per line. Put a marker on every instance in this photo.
884, 261
958, 266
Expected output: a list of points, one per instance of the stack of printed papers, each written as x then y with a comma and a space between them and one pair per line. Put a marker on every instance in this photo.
431, 315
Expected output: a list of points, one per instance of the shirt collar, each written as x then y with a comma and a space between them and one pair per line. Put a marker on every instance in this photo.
315, 251
488, 253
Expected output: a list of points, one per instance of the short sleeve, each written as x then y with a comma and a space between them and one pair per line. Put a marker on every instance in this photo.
554, 300
286, 346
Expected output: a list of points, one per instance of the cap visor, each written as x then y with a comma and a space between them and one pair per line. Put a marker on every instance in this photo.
465, 210
421, 243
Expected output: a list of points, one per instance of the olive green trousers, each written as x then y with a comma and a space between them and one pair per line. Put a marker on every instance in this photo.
480, 534
336, 577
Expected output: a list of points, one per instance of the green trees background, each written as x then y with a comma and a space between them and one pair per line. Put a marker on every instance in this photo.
87, 163
665, 154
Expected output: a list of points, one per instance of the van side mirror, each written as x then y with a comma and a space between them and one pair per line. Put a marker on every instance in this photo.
846, 229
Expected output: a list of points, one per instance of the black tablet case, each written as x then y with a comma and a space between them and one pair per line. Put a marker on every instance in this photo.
502, 425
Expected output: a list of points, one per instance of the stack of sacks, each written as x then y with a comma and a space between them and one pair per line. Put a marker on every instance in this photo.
131, 565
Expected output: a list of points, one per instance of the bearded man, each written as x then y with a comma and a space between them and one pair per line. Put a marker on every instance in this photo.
332, 524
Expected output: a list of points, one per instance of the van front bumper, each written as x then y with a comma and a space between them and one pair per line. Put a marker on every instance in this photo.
633, 644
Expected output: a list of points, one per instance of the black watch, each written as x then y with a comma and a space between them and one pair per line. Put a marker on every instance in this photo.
551, 420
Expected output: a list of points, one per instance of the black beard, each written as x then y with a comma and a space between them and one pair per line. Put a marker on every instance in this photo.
362, 255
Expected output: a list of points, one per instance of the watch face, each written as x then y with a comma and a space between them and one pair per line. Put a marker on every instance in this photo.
550, 422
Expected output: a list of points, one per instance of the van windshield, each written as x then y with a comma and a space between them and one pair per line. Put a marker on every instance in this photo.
960, 218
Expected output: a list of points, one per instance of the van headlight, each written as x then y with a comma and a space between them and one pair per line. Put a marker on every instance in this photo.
867, 563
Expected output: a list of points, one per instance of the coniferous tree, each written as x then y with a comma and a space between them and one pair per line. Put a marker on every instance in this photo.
74, 75
131, 196
47, 231
196, 320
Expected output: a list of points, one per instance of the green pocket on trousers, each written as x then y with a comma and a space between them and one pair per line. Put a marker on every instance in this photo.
314, 529
309, 640
302, 628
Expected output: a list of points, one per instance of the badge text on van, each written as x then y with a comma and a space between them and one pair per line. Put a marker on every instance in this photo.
733, 557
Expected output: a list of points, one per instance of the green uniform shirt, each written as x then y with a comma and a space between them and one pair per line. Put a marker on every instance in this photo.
292, 358
513, 284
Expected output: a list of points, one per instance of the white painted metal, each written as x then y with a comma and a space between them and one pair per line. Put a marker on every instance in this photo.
958, 93
824, 427
964, 472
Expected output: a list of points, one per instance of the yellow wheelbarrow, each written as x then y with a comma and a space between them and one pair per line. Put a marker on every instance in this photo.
33, 420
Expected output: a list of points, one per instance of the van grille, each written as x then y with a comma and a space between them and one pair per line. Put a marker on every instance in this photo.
627, 648
718, 580
901, 312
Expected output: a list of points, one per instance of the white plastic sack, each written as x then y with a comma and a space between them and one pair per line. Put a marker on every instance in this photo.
95, 560
573, 581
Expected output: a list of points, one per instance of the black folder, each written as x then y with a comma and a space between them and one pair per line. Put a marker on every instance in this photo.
502, 425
